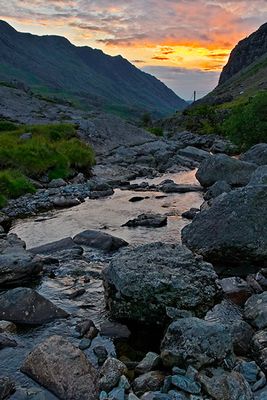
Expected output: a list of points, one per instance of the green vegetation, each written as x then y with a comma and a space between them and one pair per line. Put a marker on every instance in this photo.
157, 131
34, 151
203, 119
243, 122
247, 124
13, 184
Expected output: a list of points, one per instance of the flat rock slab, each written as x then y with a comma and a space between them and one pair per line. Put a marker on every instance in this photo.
148, 220
178, 188
141, 282
26, 306
99, 240
54, 247
63, 369
233, 231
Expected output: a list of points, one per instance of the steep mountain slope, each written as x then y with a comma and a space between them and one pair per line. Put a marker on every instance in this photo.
236, 107
245, 53
52, 65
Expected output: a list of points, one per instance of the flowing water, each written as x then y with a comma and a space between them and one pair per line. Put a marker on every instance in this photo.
108, 214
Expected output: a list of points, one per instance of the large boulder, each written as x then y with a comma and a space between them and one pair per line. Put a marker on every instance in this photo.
16, 264
233, 230
141, 282
26, 306
224, 168
229, 314
195, 342
63, 369
99, 240
257, 154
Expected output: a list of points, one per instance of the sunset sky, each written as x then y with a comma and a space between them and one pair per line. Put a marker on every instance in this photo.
184, 43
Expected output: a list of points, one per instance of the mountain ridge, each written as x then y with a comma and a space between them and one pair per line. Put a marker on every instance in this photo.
245, 53
53, 65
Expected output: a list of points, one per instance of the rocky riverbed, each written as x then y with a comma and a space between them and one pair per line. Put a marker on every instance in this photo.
121, 297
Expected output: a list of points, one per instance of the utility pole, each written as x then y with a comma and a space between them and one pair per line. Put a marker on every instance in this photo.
195, 96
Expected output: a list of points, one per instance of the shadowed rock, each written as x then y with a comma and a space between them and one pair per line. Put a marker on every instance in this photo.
26, 306
99, 240
141, 282
233, 230
16, 264
224, 168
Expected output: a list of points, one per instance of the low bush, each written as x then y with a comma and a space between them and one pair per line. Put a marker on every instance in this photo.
247, 124
52, 150
12, 185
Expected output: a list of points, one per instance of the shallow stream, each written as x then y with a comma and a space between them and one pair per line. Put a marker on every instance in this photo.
108, 214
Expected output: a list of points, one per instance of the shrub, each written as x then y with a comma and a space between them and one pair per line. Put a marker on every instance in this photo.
156, 131
52, 150
203, 119
7, 126
13, 184
247, 124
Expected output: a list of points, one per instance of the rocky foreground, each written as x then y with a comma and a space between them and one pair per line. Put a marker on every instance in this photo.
205, 299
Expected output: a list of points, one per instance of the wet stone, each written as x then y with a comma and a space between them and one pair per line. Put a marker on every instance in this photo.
149, 363
7, 387
186, 384
110, 373
101, 354
236, 289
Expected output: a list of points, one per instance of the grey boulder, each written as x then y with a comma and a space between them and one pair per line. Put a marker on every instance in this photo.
195, 342
141, 282
229, 314
233, 230
224, 168
216, 189
16, 263
257, 154
26, 306
63, 369
259, 177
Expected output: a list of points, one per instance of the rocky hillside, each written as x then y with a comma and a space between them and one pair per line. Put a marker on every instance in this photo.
245, 53
52, 65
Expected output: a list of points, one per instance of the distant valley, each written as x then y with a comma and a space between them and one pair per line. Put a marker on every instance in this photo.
52, 66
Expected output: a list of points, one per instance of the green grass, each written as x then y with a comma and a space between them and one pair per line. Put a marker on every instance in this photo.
12, 185
157, 131
52, 150
247, 123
